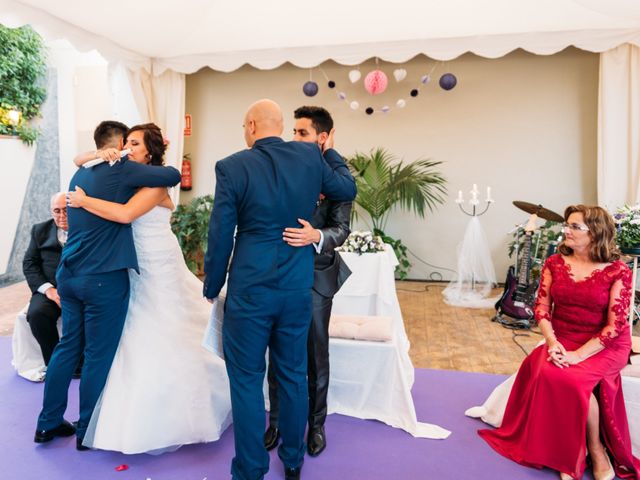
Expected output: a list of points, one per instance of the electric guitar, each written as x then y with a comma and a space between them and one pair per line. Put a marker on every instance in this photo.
519, 292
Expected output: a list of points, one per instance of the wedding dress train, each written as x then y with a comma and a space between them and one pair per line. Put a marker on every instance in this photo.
164, 389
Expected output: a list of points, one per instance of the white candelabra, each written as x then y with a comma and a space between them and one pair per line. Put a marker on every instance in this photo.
474, 202
475, 274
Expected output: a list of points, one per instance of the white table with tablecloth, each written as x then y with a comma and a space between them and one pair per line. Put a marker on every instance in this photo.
371, 290
373, 380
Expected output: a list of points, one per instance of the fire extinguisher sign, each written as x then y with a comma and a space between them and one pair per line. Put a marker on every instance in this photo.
187, 125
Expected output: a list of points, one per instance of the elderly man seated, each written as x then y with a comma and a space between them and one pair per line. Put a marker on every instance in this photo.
39, 267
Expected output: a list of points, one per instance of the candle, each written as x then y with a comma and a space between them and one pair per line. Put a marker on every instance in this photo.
460, 199
489, 199
475, 188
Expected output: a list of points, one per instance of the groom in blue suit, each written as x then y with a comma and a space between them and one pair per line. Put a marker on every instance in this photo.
262, 191
93, 284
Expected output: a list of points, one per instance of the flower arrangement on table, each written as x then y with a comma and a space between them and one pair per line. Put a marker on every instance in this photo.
362, 242
628, 227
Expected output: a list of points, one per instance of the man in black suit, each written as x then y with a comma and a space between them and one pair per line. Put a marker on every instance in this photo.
328, 229
39, 267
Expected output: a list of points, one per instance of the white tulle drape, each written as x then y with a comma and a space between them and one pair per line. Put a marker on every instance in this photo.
476, 276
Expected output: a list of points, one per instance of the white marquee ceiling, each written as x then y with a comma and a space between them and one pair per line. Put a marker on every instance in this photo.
187, 35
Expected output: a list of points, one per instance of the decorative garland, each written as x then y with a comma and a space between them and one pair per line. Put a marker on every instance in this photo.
376, 82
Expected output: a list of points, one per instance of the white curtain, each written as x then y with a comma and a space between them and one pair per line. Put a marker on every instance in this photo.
128, 102
167, 111
619, 127
141, 97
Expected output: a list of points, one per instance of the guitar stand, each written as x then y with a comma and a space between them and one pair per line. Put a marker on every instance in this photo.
513, 323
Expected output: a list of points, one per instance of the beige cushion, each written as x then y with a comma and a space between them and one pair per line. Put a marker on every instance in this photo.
361, 327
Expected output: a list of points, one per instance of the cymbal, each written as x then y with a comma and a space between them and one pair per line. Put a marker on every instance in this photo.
539, 210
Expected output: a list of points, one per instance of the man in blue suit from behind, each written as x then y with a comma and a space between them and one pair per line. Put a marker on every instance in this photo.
262, 191
93, 284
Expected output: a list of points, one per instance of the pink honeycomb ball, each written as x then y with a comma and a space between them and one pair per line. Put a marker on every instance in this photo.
376, 82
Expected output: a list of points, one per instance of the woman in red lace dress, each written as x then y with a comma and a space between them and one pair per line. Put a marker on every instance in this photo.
567, 397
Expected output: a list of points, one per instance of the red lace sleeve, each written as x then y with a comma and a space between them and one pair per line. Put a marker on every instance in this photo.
542, 307
619, 301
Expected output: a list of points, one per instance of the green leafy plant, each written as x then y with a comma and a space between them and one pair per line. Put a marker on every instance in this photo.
544, 236
400, 250
22, 72
384, 183
190, 224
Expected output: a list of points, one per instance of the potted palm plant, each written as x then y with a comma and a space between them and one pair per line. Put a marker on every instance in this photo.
384, 183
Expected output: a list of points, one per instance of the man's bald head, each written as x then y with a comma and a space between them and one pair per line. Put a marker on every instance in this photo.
263, 119
58, 199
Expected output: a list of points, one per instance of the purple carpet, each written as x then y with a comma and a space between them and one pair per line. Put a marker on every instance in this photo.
357, 449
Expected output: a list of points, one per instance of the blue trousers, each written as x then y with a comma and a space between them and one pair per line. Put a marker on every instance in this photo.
94, 308
278, 320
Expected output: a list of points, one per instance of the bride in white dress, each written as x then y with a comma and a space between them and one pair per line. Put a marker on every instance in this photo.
164, 389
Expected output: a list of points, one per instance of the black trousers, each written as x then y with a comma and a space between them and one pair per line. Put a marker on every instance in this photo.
42, 316
317, 365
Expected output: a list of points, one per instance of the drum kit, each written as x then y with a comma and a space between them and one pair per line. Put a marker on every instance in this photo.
535, 212
539, 211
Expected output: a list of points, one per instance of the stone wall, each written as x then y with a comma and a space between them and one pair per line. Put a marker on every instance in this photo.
43, 182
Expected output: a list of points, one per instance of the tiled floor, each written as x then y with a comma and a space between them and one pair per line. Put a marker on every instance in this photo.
454, 338
441, 336
12, 299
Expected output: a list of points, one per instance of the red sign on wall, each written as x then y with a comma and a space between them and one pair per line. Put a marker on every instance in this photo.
187, 125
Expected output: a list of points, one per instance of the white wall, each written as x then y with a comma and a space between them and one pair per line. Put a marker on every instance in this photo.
523, 124
13, 191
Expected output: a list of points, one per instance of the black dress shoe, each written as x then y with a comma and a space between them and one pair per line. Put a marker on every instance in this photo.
65, 429
292, 473
271, 438
316, 441
80, 446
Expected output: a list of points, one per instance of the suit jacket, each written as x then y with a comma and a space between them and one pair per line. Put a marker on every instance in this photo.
96, 245
264, 190
42, 256
332, 218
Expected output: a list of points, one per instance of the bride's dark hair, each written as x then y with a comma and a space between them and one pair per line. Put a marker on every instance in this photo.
153, 141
